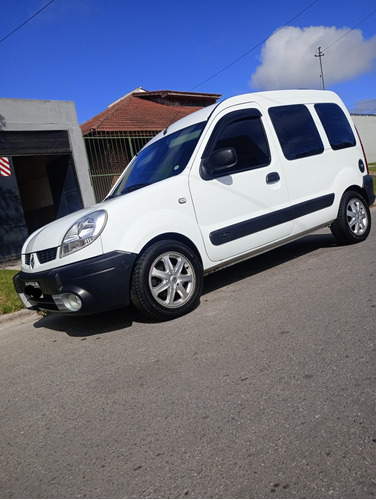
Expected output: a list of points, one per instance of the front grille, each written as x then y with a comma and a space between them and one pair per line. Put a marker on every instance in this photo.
47, 255
43, 256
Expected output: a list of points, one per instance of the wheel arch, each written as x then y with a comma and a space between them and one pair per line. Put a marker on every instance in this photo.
358, 190
177, 237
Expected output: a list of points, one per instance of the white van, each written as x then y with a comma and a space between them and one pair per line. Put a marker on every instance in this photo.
221, 185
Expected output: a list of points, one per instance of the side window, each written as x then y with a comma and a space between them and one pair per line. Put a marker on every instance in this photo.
336, 125
248, 138
243, 131
296, 131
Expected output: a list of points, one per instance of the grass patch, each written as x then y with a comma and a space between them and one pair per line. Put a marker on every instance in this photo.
9, 301
372, 170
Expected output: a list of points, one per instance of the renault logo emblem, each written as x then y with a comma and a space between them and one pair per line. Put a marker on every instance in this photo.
32, 261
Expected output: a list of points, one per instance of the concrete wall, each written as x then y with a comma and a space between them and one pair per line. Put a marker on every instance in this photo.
40, 115
49, 171
366, 125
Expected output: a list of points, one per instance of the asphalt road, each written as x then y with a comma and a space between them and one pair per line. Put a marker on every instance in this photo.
266, 390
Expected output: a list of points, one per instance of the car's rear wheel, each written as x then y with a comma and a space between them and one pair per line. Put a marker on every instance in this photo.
167, 280
353, 223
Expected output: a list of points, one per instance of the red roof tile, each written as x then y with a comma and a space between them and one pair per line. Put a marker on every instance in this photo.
134, 114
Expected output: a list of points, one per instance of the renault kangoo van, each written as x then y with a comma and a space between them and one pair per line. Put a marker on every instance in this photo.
223, 184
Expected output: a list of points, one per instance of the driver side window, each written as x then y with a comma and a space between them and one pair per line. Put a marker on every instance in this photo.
243, 131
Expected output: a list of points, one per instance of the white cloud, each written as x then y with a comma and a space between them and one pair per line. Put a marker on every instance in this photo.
287, 58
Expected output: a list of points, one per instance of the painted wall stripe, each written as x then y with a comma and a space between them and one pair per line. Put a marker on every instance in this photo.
4, 166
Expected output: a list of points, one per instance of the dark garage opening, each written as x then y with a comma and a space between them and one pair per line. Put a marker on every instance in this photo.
42, 187
48, 188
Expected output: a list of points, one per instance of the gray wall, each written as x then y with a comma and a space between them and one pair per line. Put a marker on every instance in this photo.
366, 125
37, 115
49, 168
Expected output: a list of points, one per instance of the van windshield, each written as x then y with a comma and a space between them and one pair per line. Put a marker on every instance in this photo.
162, 159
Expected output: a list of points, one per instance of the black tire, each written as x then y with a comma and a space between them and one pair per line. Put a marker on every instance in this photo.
167, 281
353, 223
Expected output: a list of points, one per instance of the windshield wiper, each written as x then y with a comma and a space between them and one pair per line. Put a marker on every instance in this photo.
134, 187
128, 189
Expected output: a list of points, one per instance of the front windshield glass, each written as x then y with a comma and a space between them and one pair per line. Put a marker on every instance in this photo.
162, 159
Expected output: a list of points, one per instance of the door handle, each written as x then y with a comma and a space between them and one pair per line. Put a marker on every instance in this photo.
272, 178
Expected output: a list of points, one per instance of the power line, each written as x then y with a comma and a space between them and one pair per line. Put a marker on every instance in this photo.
321, 54
350, 30
27, 20
361, 106
254, 47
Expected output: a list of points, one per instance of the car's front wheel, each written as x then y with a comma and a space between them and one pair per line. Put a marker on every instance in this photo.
353, 223
167, 280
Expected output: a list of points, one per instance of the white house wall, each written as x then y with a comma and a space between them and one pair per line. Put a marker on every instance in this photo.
366, 125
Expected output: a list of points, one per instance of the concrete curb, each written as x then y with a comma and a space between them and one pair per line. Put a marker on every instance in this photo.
17, 316
14, 265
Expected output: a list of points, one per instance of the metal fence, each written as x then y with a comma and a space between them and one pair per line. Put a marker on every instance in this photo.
109, 153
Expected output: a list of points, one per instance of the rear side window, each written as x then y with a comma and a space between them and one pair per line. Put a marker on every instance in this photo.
336, 125
296, 131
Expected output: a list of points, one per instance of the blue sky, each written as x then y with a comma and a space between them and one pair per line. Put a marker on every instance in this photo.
94, 51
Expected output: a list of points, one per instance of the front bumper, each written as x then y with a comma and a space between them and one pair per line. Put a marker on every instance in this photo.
93, 285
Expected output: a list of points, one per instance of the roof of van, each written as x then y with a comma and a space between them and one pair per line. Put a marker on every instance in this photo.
266, 98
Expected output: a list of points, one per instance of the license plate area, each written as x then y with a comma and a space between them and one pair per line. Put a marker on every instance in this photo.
33, 289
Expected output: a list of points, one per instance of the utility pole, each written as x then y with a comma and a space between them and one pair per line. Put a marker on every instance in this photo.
320, 55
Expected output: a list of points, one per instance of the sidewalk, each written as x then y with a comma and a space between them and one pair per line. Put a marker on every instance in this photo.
15, 265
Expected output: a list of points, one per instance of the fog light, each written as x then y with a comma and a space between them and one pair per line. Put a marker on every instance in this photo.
72, 301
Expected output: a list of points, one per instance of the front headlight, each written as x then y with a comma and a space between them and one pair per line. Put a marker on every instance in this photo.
83, 232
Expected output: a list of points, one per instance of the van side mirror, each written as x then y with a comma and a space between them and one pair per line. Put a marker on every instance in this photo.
217, 163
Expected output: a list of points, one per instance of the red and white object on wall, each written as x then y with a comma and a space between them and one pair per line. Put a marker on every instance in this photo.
4, 166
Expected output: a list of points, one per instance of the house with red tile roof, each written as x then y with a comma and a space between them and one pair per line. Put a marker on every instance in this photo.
116, 134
